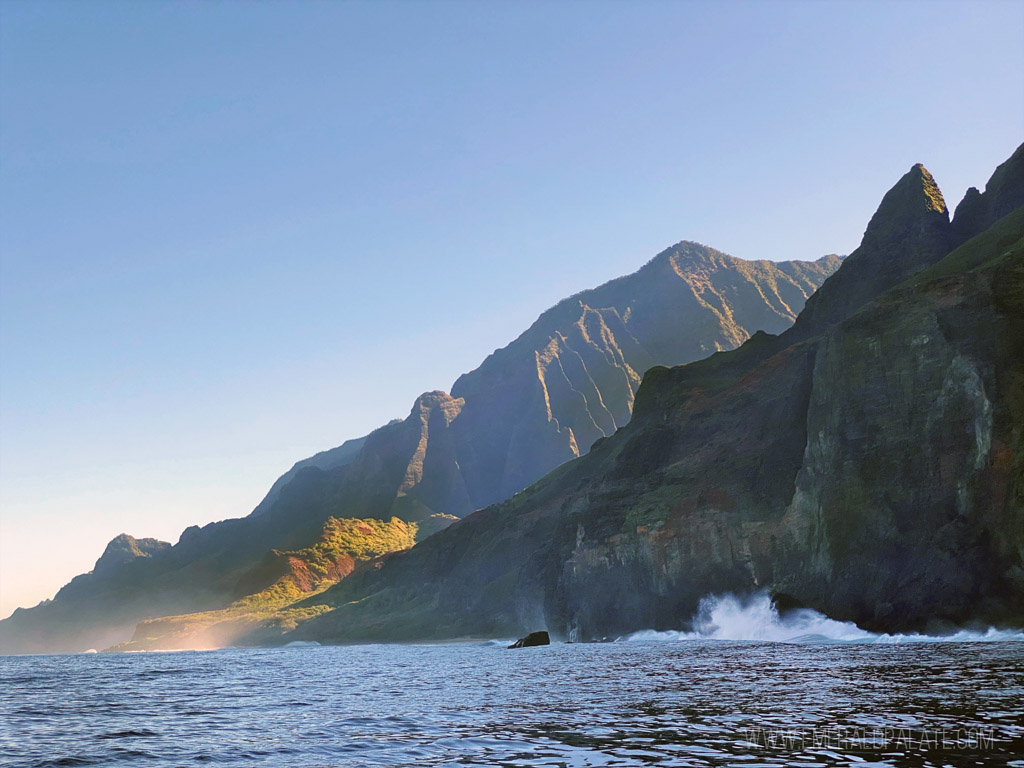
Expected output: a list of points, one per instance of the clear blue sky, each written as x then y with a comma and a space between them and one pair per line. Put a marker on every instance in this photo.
235, 234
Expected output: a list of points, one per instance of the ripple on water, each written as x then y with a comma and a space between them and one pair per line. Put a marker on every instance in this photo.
640, 703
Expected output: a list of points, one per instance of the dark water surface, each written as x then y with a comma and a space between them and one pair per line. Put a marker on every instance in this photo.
685, 703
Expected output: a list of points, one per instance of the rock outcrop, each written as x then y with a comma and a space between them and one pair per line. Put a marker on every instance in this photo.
868, 463
123, 549
1003, 194
532, 640
909, 229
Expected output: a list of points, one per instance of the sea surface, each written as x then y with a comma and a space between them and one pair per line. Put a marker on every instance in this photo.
805, 691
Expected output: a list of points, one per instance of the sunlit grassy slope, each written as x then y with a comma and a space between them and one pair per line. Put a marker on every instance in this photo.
280, 581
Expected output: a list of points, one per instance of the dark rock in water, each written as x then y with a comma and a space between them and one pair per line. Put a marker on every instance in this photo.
532, 639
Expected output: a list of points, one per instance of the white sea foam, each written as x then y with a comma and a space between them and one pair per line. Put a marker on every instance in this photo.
728, 617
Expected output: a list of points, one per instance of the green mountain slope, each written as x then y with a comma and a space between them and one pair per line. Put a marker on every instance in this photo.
280, 581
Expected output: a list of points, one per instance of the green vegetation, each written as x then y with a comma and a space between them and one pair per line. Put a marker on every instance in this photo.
716, 372
931, 190
360, 539
300, 575
330, 559
990, 246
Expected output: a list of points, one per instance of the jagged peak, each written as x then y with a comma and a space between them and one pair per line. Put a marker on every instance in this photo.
688, 252
928, 185
1003, 193
431, 399
1010, 171
123, 548
915, 196
428, 402
909, 232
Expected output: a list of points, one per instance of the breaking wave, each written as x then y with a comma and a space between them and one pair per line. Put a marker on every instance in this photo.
728, 617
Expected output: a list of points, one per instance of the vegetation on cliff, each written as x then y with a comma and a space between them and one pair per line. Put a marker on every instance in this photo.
289, 577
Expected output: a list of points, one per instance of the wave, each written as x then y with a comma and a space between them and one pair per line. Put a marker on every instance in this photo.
756, 619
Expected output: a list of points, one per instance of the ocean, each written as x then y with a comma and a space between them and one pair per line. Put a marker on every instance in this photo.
666, 699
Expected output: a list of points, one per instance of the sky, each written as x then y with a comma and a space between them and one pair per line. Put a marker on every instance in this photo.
235, 234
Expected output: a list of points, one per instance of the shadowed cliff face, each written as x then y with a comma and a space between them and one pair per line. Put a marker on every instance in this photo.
869, 463
914, 424
568, 381
1003, 194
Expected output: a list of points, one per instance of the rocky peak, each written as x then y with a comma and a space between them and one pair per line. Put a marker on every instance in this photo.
428, 402
685, 258
913, 204
125, 548
1003, 193
909, 232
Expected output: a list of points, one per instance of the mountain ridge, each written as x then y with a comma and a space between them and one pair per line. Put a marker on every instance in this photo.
564, 383
872, 471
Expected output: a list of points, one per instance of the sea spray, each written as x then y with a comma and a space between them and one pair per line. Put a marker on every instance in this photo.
756, 619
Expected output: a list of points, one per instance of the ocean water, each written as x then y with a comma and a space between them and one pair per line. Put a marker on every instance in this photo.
808, 699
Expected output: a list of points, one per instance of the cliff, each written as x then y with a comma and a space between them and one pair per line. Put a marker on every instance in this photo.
544, 399
867, 463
